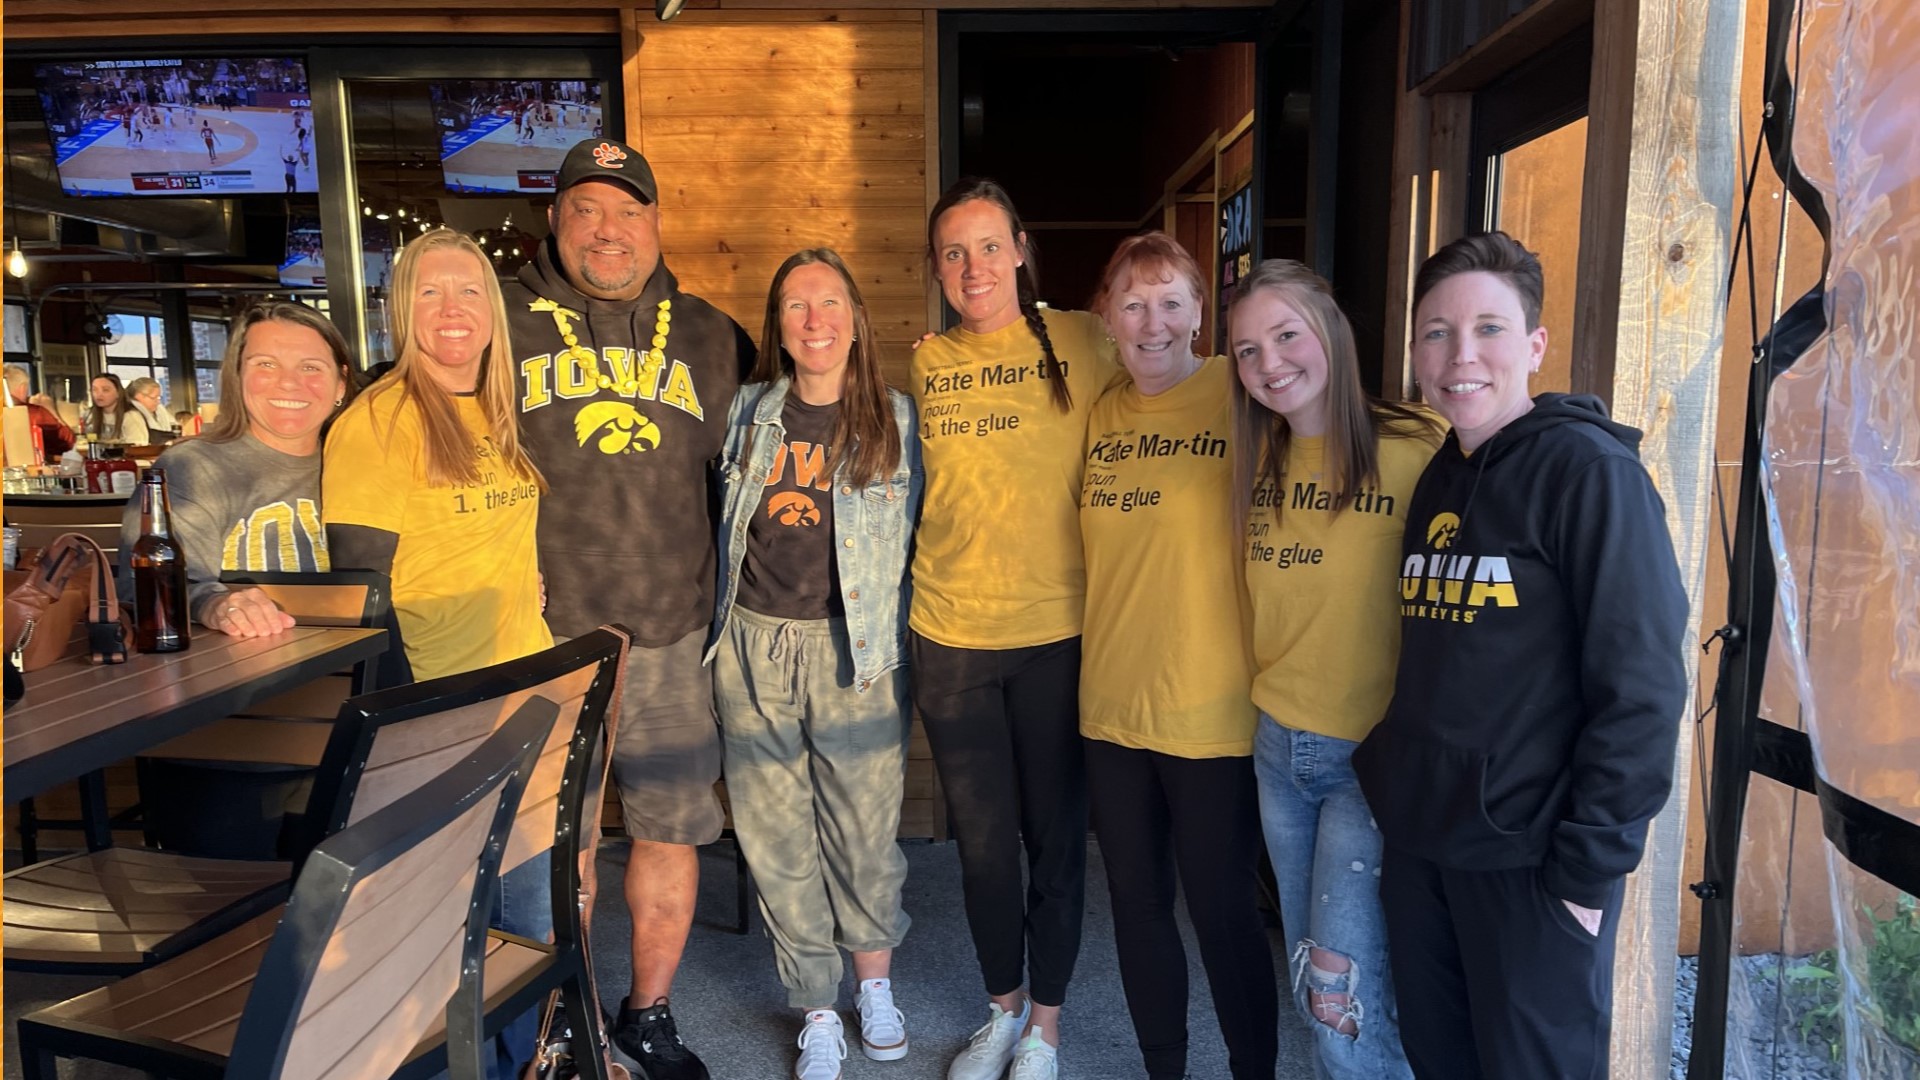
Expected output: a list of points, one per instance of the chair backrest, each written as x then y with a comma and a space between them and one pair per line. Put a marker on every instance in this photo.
387, 744
335, 598
386, 925
354, 598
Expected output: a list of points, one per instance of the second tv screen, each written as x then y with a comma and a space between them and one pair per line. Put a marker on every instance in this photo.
510, 135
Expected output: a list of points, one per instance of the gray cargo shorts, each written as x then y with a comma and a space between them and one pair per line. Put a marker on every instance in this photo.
666, 750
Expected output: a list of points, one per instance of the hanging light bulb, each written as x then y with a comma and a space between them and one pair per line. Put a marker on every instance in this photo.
401, 213
423, 226
382, 216
17, 260
367, 210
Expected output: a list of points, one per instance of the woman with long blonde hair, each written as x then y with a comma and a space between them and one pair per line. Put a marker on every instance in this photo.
425, 476
426, 479
1324, 475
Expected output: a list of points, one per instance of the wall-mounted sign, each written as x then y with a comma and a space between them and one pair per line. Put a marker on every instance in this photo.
1236, 253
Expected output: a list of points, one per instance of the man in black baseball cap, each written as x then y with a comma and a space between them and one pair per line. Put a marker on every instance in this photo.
624, 387
612, 161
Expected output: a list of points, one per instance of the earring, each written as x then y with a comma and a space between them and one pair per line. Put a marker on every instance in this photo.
337, 402
1196, 333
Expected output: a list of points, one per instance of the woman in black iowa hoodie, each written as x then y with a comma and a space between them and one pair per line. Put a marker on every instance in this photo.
1540, 689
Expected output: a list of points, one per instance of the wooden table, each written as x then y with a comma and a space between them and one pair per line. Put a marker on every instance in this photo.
77, 717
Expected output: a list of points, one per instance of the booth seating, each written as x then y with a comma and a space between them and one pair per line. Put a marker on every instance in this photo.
378, 945
122, 909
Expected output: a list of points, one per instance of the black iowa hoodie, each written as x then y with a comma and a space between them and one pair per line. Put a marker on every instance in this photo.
627, 527
1541, 681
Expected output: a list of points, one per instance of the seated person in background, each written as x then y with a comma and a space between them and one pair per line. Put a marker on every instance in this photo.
56, 437
144, 397
112, 418
246, 495
188, 422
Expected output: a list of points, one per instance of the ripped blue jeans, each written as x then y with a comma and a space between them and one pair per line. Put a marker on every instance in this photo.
1326, 857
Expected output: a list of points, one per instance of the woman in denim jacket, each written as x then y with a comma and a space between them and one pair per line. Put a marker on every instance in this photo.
821, 485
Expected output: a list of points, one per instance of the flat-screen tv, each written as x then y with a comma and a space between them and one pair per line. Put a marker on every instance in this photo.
305, 263
510, 135
232, 126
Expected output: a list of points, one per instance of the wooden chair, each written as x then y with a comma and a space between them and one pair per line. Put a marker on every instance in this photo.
118, 910
40, 523
379, 943
556, 814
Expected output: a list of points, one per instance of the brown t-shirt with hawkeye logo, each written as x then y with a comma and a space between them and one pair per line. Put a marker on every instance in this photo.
790, 570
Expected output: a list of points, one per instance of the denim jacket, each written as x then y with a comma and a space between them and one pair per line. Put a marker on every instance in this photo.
872, 527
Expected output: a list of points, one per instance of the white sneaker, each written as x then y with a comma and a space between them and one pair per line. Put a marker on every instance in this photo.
883, 1028
1036, 1060
822, 1047
991, 1048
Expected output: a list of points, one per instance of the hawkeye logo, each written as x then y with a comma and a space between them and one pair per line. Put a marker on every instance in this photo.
621, 428
1450, 587
809, 461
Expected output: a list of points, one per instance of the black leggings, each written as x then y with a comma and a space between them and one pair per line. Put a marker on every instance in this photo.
1004, 725
1154, 813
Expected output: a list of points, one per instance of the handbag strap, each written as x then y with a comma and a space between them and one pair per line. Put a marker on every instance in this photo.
64, 558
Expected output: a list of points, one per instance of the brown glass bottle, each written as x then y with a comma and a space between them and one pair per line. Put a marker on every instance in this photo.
159, 573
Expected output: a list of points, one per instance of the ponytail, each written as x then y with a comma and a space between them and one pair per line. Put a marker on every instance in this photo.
1055, 371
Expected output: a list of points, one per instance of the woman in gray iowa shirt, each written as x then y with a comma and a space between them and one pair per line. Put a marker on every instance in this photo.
246, 494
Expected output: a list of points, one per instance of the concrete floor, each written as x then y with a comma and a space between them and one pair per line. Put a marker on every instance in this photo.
732, 1010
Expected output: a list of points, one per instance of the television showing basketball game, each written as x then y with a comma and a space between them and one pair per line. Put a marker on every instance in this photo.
510, 135
305, 263
235, 126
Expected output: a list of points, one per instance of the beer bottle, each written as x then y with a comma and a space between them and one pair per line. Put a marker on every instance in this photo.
159, 573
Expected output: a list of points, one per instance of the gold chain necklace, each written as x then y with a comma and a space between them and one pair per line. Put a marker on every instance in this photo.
650, 359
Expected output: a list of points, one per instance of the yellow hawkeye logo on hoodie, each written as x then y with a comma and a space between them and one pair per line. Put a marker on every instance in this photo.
1453, 587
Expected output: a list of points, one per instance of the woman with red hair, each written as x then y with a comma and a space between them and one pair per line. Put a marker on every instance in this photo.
1165, 673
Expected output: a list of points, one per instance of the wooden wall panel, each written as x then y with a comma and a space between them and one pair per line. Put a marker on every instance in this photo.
822, 46
730, 95
783, 138
786, 230
717, 185
771, 132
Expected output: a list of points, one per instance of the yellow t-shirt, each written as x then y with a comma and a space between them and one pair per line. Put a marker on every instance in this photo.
1164, 664
1325, 590
997, 561
466, 583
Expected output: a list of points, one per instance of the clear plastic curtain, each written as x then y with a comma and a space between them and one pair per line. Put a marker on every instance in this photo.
1840, 995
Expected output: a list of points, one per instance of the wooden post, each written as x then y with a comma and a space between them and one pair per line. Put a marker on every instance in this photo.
1655, 233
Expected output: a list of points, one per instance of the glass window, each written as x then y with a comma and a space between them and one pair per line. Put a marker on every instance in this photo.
136, 336
130, 372
209, 340
17, 338
129, 336
1538, 204
206, 382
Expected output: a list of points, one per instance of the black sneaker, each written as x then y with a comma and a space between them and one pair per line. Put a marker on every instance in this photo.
648, 1044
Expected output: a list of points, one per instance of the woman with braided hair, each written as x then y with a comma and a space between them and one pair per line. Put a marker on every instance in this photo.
999, 594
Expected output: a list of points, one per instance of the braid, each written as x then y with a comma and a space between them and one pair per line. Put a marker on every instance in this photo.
1055, 370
